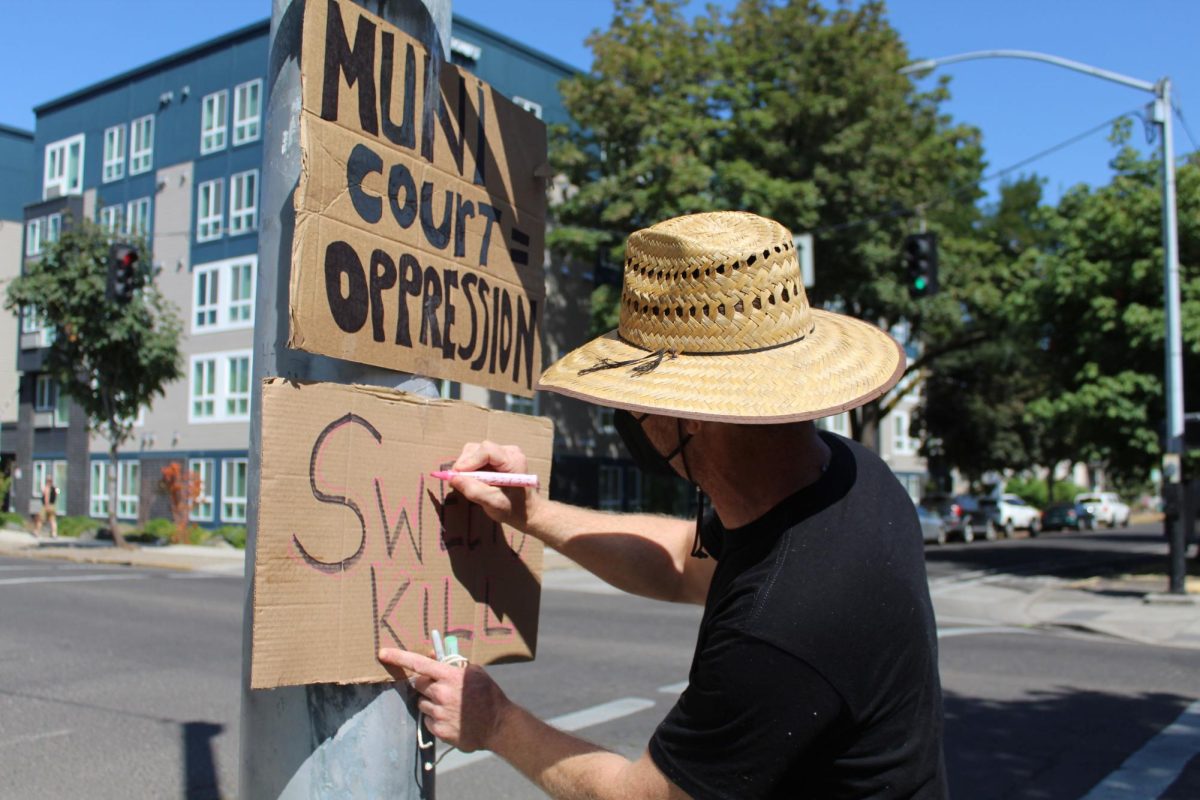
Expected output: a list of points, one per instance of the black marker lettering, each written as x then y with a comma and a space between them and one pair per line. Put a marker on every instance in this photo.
438, 236
355, 63
362, 162
403, 134
468, 281
399, 178
383, 276
409, 283
349, 310
431, 300
449, 284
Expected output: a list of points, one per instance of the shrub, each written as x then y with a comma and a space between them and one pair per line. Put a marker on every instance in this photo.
159, 528
7, 517
77, 526
234, 534
198, 535
1033, 491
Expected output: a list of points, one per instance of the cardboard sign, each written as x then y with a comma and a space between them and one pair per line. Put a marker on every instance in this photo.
357, 547
419, 217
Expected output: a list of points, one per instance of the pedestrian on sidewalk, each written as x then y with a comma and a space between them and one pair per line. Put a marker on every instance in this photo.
49, 512
815, 667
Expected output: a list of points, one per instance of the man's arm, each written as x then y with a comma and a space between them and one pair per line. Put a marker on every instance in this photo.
564, 766
642, 554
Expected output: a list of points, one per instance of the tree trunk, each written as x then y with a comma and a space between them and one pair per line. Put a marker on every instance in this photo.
1050, 483
864, 425
113, 525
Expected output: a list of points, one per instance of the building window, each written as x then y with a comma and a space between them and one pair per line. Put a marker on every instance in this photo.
467, 51
137, 217
53, 228
62, 408
64, 167
233, 490
247, 111
529, 105
202, 468
214, 122
129, 486
210, 210
237, 387
243, 202
224, 295
220, 389
114, 153
520, 405
57, 470
36, 331
610, 494
839, 424
98, 494
902, 443
44, 393
110, 219
141, 145
606, 420
34, 236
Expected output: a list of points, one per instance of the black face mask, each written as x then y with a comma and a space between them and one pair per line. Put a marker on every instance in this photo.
640, 448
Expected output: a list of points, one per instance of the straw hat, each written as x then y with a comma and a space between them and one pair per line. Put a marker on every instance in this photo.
715, 325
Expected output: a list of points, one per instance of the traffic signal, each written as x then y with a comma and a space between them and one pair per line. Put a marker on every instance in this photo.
921, 264
124, 277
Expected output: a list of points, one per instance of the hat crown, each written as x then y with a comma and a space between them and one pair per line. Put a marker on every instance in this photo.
718, 282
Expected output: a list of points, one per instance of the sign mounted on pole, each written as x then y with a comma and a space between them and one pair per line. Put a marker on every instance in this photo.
359, 548
420, 210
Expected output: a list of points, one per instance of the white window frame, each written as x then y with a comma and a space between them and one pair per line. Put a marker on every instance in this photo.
246, 127
111, 218
141, 156
243, 202
62, 408
222, 298
902, 443
35, 236
214, 122
531, 106
138, 211
223, 398
605, 418
58, 469
233, 506
210, 215
56, 174
838, 423
98, 489
129, 470
114, 154
237, 386
204, 507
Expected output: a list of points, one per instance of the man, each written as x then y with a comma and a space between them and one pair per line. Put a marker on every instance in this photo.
49, 513
815, 669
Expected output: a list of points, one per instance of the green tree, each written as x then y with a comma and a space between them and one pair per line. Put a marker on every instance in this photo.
793, 111
111, 358
1099, 298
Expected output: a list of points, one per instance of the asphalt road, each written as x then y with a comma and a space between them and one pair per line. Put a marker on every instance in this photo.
121, 683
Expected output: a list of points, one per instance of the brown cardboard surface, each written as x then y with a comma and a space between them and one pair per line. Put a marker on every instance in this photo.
420, 221
357, 549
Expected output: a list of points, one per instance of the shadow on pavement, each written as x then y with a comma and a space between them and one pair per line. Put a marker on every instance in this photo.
1053, 744
200, 780
1076, 558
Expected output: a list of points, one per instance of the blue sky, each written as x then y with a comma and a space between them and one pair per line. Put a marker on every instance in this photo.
1022, 107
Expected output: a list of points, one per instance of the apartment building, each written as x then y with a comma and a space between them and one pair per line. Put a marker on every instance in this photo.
173, 149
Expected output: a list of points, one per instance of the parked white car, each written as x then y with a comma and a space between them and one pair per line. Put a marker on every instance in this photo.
1106, 508
1012, 513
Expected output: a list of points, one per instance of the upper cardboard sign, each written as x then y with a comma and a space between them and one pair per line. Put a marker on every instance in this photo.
357, 547
420, 220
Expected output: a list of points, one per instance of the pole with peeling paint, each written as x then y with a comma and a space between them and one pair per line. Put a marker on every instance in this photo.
320, 740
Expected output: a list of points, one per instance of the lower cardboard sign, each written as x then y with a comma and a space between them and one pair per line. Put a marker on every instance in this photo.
358, 548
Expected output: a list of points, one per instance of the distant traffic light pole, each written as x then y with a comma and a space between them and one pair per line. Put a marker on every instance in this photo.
1174, 335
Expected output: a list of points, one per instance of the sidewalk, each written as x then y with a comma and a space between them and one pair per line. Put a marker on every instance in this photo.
1133, 608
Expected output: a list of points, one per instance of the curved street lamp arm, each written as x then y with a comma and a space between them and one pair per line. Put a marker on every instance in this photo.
1031, 55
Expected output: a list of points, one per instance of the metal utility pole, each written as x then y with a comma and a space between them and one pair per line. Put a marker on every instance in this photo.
319, 740
1173, 369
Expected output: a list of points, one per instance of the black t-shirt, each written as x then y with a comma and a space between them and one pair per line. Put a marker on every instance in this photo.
815, 672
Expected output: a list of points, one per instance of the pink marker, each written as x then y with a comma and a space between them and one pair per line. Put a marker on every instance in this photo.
492, 478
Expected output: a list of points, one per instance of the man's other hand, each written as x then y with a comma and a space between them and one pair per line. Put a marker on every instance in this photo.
462, 707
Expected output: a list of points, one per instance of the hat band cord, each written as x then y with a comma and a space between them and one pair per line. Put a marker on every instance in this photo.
649, 362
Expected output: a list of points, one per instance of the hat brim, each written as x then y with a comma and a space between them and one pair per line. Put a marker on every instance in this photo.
842, 364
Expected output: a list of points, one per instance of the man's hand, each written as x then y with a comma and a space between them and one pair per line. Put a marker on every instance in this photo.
508, 505
462, 707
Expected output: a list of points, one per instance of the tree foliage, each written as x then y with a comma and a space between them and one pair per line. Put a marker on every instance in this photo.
790, 110
111, 358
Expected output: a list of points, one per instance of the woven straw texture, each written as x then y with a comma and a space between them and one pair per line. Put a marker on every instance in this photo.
715, 324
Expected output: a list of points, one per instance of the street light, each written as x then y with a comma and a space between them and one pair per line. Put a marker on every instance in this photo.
1174, 336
